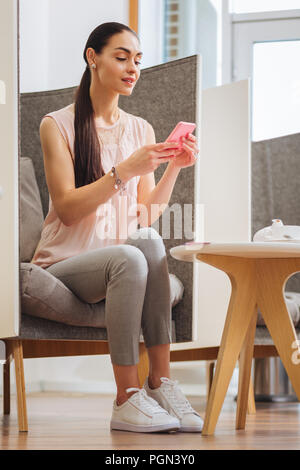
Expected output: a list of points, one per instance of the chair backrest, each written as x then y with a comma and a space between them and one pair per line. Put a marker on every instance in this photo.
275, 187
33, 106
31, 211
164, 95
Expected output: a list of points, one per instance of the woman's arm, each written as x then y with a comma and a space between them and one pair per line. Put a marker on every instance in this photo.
72, 204
153, 200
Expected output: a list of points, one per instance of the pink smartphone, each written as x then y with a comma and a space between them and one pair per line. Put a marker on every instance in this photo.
182, 129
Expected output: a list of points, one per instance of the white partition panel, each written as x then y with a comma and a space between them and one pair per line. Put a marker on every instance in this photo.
223, 200
9, 233
224, 187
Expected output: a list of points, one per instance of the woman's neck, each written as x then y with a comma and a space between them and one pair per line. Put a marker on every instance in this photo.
105, 106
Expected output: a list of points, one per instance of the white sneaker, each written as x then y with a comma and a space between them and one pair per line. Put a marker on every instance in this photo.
140, 413
170, 397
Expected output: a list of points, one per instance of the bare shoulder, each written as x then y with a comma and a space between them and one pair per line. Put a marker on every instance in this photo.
51, 135
58, 164
46, 123
48, 127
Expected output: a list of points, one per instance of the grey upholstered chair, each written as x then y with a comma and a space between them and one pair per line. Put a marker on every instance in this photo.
53, 321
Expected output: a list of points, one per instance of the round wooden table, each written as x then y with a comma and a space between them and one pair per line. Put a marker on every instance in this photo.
258, 273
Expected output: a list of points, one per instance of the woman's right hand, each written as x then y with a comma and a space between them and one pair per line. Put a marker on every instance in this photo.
147, 158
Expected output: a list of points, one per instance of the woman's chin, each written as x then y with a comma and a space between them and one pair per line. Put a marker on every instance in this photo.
125, 92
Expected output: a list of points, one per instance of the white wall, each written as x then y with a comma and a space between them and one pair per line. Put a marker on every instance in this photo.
53, 34
151, 24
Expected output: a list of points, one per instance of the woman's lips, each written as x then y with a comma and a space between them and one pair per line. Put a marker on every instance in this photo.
128, 82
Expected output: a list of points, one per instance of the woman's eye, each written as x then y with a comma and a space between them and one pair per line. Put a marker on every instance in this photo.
119, 58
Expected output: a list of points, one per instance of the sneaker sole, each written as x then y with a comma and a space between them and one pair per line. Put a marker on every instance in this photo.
190, 429
119, 426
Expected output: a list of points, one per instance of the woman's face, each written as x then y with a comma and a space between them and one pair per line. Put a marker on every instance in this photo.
119, 60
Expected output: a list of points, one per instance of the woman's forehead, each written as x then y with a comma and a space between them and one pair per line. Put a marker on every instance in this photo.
125, 41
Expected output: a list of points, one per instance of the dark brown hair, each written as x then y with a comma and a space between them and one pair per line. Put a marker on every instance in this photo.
88, 166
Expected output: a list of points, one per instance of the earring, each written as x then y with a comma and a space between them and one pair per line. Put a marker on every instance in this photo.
93, 66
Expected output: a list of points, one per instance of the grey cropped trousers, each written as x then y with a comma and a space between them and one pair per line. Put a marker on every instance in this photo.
133, 278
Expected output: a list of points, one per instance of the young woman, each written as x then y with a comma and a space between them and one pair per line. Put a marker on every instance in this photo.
99, 164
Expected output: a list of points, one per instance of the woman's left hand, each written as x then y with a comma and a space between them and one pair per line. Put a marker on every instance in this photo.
187, 156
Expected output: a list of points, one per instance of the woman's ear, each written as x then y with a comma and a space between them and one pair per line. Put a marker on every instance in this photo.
90, 54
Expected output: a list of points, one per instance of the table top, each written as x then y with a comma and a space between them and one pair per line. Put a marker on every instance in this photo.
240, 249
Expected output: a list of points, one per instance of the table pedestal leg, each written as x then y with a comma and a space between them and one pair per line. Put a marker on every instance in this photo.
251, 399
272, 275
245, 363
241, 310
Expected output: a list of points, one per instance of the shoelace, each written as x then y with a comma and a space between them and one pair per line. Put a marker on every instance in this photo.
142, 399
175, 396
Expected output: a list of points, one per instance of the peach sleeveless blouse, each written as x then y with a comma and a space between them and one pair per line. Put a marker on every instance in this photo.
114, 221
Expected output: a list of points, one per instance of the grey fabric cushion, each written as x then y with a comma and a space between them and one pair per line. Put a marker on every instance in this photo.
31, 212
45, 296
177, 289
40, 328
292, 300
263, 337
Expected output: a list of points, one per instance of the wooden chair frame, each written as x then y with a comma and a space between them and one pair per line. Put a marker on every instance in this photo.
19, 349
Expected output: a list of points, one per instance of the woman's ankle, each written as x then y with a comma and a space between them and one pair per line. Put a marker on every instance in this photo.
123, 397
155, 382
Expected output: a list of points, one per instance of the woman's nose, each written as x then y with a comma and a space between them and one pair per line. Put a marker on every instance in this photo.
132, 68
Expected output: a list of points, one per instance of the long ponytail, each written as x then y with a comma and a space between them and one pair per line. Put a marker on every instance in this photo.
88, 166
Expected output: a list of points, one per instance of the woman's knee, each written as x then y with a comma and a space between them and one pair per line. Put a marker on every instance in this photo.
131, 259
148, 233
149, 241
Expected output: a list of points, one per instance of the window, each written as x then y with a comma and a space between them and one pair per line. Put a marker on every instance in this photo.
194, 27
251, 6
171, 23
276, 89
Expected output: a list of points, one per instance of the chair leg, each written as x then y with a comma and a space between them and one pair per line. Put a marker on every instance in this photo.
245, 362
6, 385
20, 385
143, 365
